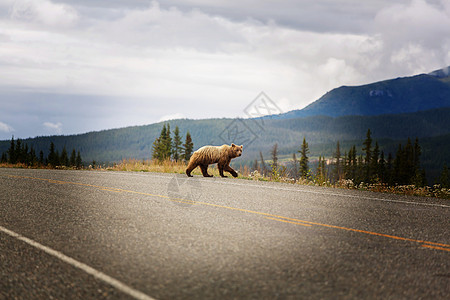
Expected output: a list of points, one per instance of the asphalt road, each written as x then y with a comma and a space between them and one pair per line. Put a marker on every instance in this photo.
114, 235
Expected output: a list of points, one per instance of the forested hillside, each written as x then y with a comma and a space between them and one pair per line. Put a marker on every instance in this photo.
432, 127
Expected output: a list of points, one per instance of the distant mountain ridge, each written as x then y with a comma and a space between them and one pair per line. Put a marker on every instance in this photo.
394, 96
321, 132
136, 141
351, 111
441, 73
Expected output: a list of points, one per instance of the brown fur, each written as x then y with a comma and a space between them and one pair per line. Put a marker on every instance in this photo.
208, 155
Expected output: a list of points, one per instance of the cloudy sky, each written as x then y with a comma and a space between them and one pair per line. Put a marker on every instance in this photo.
73, 66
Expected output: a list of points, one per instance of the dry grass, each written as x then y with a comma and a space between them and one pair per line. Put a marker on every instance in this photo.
135, 165
168, 166
435, 191
22, 166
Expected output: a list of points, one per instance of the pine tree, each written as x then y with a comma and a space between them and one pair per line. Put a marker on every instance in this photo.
24, 154
177, 143
263, 165
161, 149
337, 164
274, 154
382, 168
4, 158
368, 156
374, 163
41, 158
19, 151
321, 171
324, 168
73, 158
32, 158
352, 163
156, 149
410, 169
304, 168
274, 166
417, 153
354, 159
53, 157
404, 170
398, 167
57, 159
419, 178
360, 169
444, 179
295, 167
79, 161
368, 147
345, 166
188, 147
167, 144
389, 170
12, 152
51, 154
64, 159
161, 144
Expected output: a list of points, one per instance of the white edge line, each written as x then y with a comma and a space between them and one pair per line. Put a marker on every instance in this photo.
282, 189
97, 274
339, 195
286, 189
170, 175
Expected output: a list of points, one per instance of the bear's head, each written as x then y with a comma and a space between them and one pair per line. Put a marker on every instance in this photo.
236, 150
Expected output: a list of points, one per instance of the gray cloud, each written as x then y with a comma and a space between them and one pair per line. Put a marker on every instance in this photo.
347, 16
5, 127
137, 62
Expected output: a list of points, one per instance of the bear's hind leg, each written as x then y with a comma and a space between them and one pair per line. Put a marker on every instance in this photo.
231, 171
204, 169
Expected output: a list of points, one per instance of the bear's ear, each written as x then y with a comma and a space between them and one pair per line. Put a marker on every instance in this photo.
242, 146
233, 145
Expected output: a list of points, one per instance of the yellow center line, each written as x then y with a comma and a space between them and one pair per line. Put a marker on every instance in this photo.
57, 181
437, 248
183, 201
111, 190
427, 244
296, 223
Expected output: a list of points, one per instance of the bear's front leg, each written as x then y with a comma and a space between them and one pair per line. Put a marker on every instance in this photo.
221, 170
231, 171
204, 169
189, 168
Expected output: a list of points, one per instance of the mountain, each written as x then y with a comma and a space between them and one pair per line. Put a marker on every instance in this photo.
353, 111
136, 142
395, 96
441, 73
432, 127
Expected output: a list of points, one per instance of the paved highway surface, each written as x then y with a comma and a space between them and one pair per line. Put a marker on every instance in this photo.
116, 235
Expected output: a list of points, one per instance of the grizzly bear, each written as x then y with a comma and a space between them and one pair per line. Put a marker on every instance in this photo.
208, 155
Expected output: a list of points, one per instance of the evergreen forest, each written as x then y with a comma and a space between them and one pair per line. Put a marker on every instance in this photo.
20, 153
